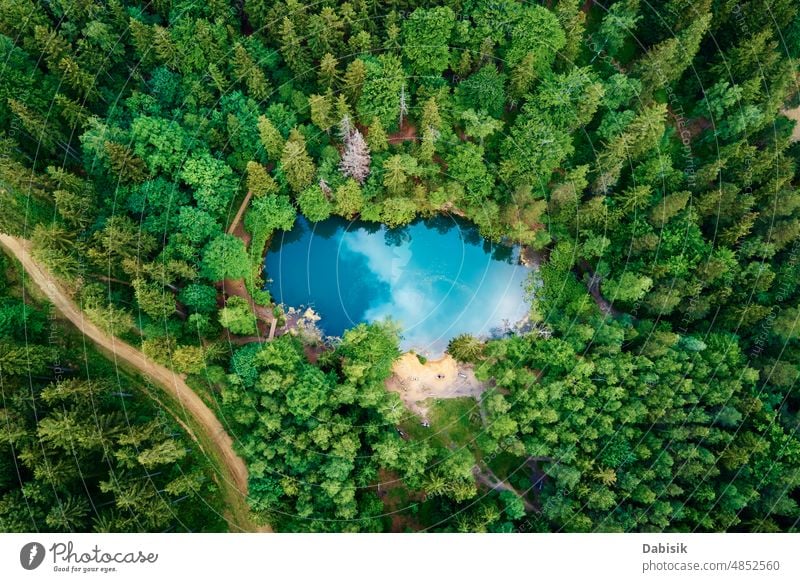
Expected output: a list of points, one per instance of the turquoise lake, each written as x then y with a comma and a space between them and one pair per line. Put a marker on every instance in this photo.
437, 278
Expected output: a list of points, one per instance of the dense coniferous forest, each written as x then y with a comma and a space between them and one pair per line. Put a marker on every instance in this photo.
639, 149
82, 448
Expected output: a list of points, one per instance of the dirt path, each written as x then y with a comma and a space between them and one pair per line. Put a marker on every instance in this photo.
238, 287
593, 286
444, 378
489, 479
406, 133
238, 218
195, 410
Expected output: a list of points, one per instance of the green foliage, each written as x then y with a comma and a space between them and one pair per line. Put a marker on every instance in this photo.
465, 348
466, 164
617, 26
314, 204
153, 299
199, 298
483, 91
296, 164
237, 317
614, 459
426, 39
212, 182
533, 149
376, 138
225, 258
280, 400
537, 32
348, 199
122, 466
629, 288
268, 213
271, 139
381, 90
398, 212
259, 182
642, 152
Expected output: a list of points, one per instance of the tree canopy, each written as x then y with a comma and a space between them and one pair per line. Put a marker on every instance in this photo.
637, 152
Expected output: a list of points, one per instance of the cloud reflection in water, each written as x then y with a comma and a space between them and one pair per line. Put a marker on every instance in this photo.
437, 278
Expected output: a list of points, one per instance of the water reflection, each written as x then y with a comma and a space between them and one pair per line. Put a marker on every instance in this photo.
438, 278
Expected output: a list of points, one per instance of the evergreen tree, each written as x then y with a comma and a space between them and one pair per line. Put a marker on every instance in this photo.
296, 163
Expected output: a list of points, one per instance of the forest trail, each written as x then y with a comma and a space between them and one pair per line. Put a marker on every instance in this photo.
173, 384
487, 477
232, 229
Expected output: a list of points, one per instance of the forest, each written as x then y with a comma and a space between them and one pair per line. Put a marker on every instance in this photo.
151, 150
82, 449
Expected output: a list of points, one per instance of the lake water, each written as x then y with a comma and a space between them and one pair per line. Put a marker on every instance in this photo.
437, 278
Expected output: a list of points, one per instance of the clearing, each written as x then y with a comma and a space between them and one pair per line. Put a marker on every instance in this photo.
416, 382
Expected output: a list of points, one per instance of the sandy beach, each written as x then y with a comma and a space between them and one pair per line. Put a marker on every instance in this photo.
443, 378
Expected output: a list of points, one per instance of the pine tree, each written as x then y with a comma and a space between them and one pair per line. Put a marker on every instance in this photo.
75, 208
349, 200
328, 75
19, 17
665, 62
293, 52
572, 20
259, 182
431, 122
165, 48
343, 111
296, 163
321, 107
617, 27
143, 37
23, 360
51, 44
79, 80
247, 71
360, 43
219, 78
395, 172
124, 163
522, 76
73, 112
376, 137
271, 138
464, 66
354, 77
35, 125
392, 43
324, 32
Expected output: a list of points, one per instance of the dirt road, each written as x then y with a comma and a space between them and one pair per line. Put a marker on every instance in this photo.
197, 415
